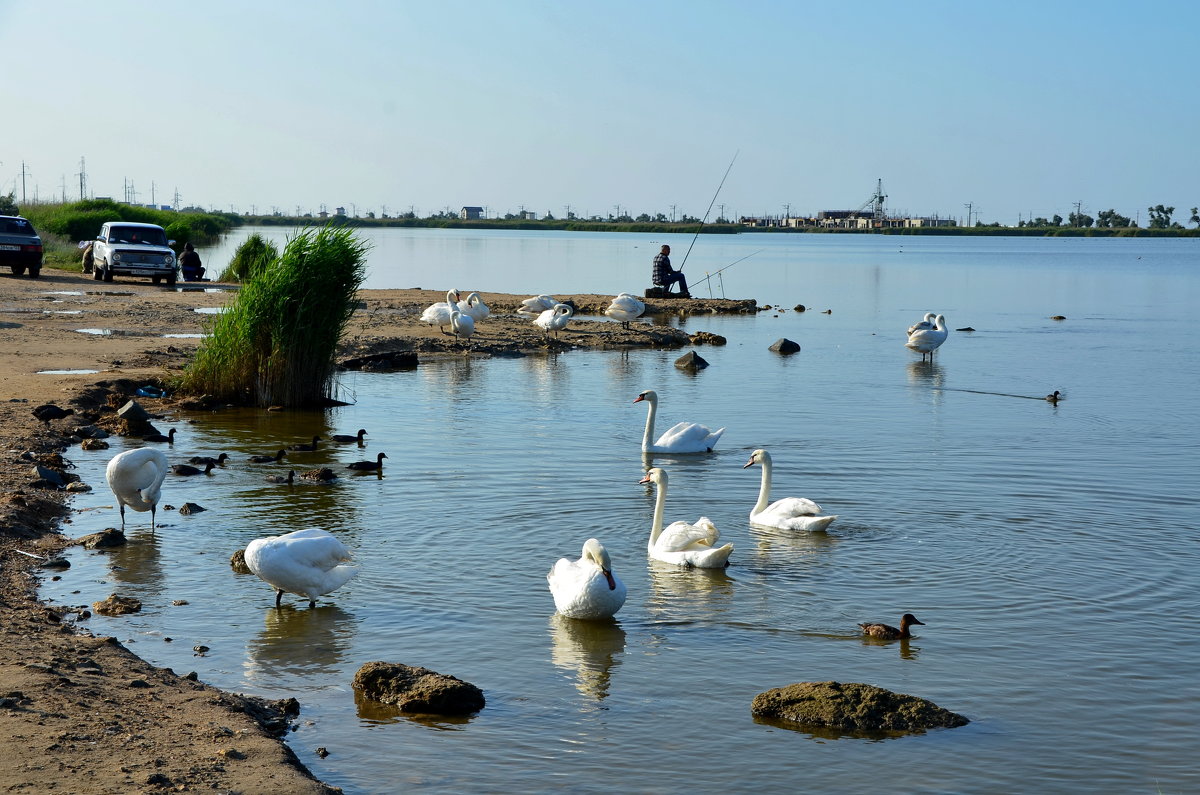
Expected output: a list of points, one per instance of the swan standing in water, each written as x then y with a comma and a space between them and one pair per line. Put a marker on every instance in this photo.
682, 543
439, 314
308, 563
790, 513
925, 323
475, 307
926, 341
136, 477
555, 319
683, 437
586, 588
536, 305
625, 308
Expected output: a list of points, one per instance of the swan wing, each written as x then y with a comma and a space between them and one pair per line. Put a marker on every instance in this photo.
688, 437
437, 314
307, 562
680, 536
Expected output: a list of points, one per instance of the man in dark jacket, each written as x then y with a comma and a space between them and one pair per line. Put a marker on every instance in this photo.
664, 276
189, 263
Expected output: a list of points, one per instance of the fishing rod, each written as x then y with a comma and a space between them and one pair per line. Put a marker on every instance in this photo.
710, 206
730, 265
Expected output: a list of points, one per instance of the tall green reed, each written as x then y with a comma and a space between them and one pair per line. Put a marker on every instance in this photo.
253, 255
276, 343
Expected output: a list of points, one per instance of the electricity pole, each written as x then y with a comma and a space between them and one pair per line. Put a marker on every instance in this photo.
969, 206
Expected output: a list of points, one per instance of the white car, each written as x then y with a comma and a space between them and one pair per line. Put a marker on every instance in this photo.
130, 249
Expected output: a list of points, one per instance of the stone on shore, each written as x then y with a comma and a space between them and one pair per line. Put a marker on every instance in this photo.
414, 689
851, 706
785, 346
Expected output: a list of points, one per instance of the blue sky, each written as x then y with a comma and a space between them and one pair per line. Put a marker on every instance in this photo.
1017, 108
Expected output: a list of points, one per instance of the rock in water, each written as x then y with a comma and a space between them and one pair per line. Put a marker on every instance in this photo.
237, 562
117, 606
785, 346
106, 538
417, 689
190, 508
691, 361
851, 706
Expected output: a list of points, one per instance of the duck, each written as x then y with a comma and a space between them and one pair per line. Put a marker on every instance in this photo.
368, 466
308, 563
342, 438
1054, 396
462, 324
186, 470
201, 460
681, 438
475, 307
49, 411
289, 480
891, 633
926, 341
169, 438
322, 475
789, 513
924, 323
586, 588
536, 305
556, 319
268, 459
625, 308
439, 314
136, 478
682, 543
306, 448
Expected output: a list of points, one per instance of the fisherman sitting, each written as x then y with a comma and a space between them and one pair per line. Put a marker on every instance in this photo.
664, 275
189, 263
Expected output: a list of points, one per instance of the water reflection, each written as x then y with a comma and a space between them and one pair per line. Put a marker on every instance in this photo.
906, 649
822, 733
138, 563
927, 374
785, 548
682, 595
589, 649
300, 642
377, 713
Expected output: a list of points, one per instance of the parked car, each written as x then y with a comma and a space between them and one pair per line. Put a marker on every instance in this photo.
20, 246
130, 249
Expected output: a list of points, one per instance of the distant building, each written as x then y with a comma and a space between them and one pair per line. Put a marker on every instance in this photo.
339, 211
470, 213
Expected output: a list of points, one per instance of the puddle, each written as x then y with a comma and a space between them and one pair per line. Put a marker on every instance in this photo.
113, 332
63, 292
104, 292
205, 289
67, 372
62, 311
209, 310
185, 336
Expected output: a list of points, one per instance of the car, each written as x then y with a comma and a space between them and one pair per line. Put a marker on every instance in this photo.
20, 246
132, 249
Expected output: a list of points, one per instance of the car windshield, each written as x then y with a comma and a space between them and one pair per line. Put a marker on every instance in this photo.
137, 234
16, 226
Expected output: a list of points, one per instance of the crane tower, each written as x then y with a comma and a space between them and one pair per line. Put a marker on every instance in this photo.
876, 203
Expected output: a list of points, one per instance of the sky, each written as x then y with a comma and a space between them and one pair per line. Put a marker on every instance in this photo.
1014, 108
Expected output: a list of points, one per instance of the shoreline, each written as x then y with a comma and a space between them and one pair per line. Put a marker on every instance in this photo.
94, 716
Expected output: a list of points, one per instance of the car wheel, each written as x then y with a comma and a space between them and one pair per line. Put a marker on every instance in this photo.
98, 271
171, 280
35, 271
18, 270
108, 274
154, 279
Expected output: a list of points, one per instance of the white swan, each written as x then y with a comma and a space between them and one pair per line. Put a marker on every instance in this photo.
555, 319
135, 477
625, 308
790, 513
536, 305
439, 314
475, 307
462, 324
924, 323
586, 588
682, 543
683, 437
926, 341
308, 562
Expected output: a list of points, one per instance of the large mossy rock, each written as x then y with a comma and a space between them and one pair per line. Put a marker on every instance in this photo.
851, 706
415, 689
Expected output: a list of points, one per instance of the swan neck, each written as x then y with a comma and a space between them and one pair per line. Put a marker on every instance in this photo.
648, 436
656, 527
764, 490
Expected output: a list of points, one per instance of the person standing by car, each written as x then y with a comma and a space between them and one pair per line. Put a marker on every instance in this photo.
664, 276
89, 259
189, 263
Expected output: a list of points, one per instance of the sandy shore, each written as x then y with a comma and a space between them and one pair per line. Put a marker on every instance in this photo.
86, 713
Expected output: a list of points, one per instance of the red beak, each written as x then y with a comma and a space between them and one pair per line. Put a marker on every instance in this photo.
645, 479
638, 399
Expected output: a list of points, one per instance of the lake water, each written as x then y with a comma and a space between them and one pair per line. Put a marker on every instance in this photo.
1050, 549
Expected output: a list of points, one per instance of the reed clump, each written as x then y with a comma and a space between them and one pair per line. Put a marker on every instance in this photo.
251, 258
276, 343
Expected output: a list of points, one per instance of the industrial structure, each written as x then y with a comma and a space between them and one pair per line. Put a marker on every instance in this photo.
871, 214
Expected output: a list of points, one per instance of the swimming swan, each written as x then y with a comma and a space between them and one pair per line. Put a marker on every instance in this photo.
586, 588
439, 314
684, 437
926, 341
790, 513
683, 543
625, 308
307, 562
136, 477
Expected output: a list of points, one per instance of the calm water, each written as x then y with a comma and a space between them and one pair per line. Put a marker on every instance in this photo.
1050, 550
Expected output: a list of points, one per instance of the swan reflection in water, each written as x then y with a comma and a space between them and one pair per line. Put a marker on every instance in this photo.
589, 649
138, 563
775, 548
307, 642
679, 595
927, 374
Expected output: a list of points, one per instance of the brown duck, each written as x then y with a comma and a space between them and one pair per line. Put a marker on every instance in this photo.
891, 633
